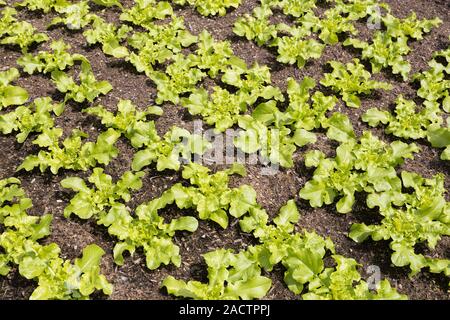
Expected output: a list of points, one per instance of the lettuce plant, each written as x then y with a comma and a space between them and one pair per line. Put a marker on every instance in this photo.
222, 109
409, 219
434, 86
407, 123
253, 82
108, 3
11, 95
256, 26
32, 118
145, 12
439, 137
47, 62
367, 165
18, 33
44, 5
276, 135
351, 79
306, 111
168, 152
211, 7
239, 275
160, 43
180, 77
56, 278
87, 89
128, 120
275, 144
109, 36
208, 194
292, 49
74, 154
334, 24
147, 229
388, 47
413, 122
74, 16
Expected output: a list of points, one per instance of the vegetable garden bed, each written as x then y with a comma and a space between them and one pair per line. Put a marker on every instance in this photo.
110, 111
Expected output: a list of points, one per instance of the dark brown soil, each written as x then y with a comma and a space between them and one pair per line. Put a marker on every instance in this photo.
133, 280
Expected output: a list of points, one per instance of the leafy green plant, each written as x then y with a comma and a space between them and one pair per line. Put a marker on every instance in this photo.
294, 8
302, 254
292, 49
413, 122
413, 209
210, 58
27, 119
339, 128
159, 44
408, 219
345, 283
384, 52
351, 79
56, 278
410, 26
11, 95
94, 202
47, 62
388, 47
296, 48
127, 120
230, 276
253, 82
256, 26
44, 5
108, 3
358, 9
440, 138
238, 275
147, 229
306, 111
180, 77
88, 89
74, 16
167, 152
144, 12
276, 135
222, 109
210, 195
212, 55
367, 165
335, 23
407, 122
109, 36
434, 86
18, 33
74, 155
274, 144
9, 190
445, 56
211, 7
